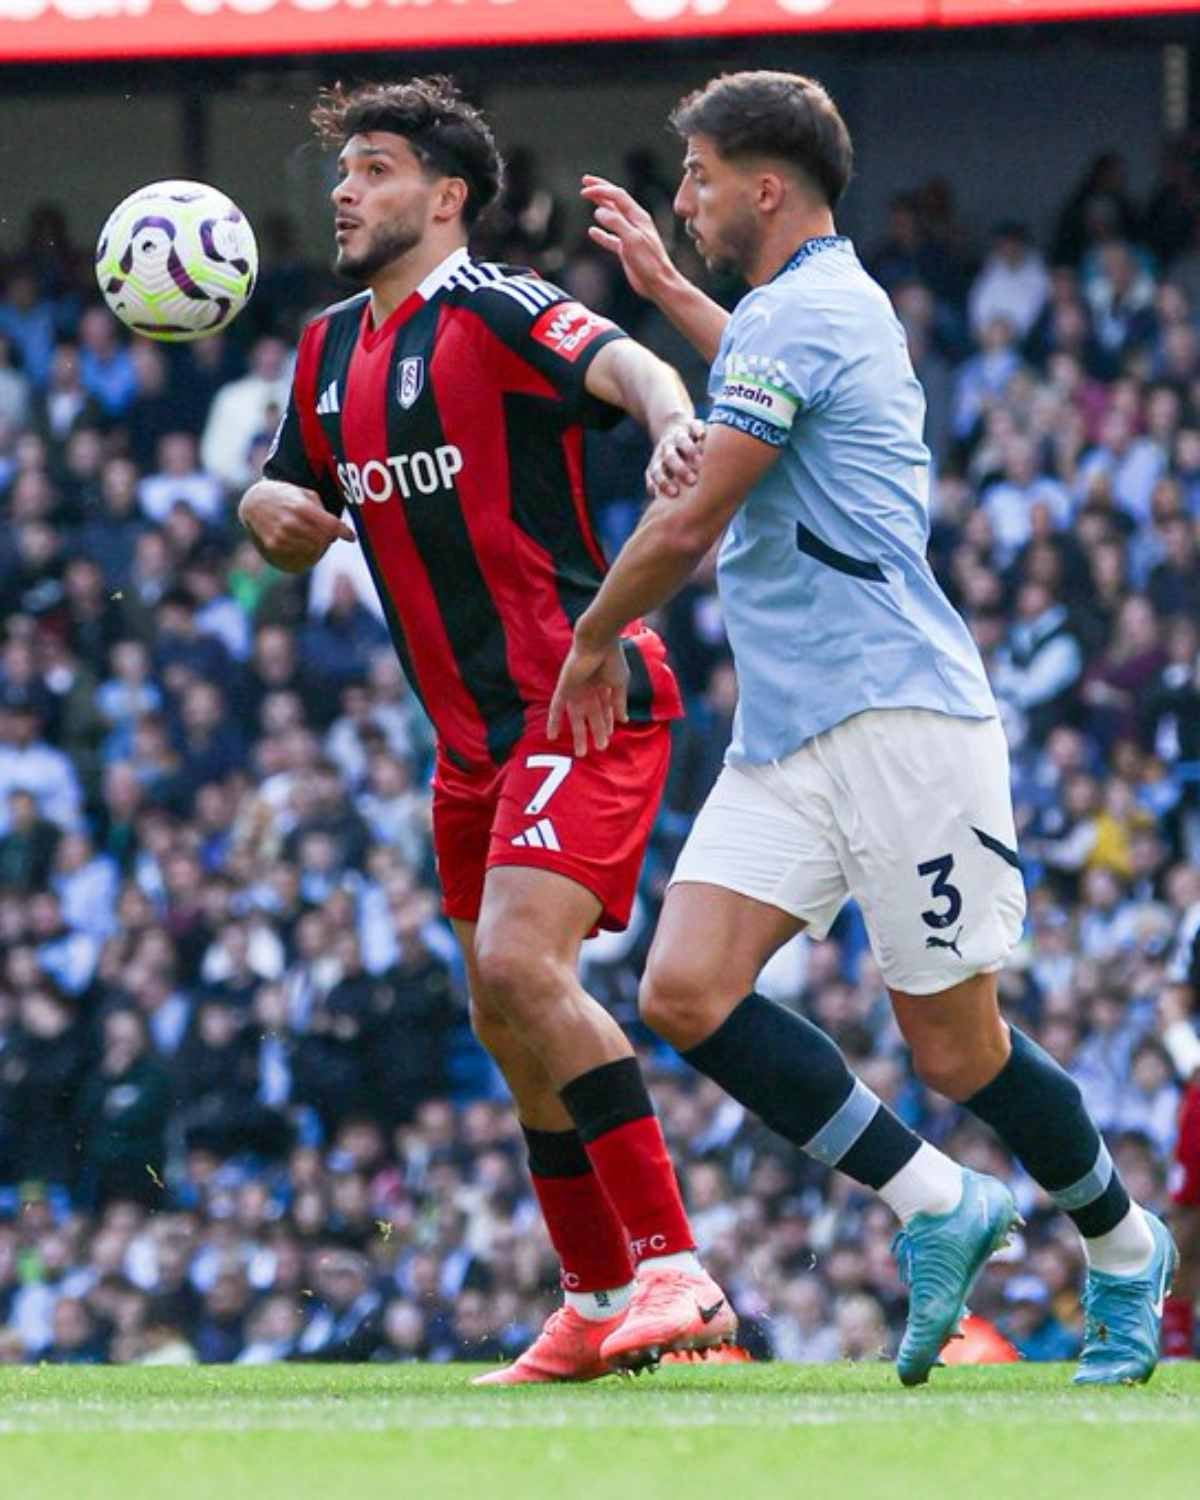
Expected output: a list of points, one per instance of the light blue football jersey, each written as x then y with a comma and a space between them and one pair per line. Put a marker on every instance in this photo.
830, 605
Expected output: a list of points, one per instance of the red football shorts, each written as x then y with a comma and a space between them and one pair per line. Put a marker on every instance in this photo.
1185, 1179
587, 818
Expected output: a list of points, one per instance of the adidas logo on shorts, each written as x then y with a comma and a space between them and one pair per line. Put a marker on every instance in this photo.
540, 836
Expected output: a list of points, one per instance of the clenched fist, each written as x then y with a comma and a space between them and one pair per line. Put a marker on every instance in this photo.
289, 525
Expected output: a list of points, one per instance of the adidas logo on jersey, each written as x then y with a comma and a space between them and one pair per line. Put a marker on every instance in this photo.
540, 836
329, 400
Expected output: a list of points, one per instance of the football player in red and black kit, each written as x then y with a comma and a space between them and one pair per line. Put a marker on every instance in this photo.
441, 412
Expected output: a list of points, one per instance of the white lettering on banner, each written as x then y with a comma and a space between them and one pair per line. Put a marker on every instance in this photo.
93, 10
421, 473
668, 10
73, 10
96, 10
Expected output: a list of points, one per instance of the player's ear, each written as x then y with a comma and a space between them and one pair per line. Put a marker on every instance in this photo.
772, 189
449, 199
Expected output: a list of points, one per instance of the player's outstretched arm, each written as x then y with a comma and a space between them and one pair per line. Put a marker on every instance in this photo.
289, 525
624, 228
626, 374
654, 564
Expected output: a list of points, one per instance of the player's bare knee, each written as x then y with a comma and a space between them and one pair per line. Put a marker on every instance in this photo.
942, 1066
675, 1001
954, 1070
518, 976
489, 1027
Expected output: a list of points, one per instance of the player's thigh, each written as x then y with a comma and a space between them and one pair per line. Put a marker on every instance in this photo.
534, 917
708, 950
958, 1038
925, 814
757, 867
587, 819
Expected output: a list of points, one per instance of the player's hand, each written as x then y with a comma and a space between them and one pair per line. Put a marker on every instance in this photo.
675, 462
625, 228
591, 695
289, 525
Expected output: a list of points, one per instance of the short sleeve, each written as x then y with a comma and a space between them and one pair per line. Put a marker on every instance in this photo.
546, 328
775, 367
286, 458
296, 452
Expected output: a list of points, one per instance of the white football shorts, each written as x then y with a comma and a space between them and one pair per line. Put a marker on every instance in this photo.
907, 810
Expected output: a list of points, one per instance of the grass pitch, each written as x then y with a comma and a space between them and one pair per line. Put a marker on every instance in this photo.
845, 1432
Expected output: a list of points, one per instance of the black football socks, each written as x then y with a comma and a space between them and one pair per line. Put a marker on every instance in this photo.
1038, 1112
794, 1078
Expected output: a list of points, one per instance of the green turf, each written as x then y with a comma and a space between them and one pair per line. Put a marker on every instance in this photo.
738, 1433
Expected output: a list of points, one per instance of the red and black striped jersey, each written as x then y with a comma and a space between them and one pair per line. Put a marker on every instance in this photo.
454, 434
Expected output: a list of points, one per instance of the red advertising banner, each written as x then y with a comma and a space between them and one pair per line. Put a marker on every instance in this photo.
972, 12
143, 28
83, 29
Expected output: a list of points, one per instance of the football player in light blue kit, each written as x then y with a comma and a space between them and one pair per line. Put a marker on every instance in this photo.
867, 757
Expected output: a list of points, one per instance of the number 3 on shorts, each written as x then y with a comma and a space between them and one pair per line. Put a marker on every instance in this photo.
556, 768
942, 889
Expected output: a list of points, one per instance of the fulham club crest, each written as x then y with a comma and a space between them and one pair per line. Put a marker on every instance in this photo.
410, 379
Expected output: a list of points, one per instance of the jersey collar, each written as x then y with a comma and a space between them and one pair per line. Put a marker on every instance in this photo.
437, 279
809, 248
442, 272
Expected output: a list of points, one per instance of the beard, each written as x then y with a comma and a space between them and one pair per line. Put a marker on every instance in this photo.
733, 250
387, 242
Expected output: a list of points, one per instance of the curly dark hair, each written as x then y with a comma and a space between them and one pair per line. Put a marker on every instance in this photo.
781, 115
447, 135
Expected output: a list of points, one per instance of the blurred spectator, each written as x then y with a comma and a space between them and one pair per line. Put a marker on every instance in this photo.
29, 764
983, 379
28, 320
1040, 663
106, 369
1099, 206
271, 1332
1013, 283
123, 1115
1011, 502
1030, 1324
1121, 293
76, 1339
14, 386
240, 410
177, 479
27, 848
346, 1323
339, 646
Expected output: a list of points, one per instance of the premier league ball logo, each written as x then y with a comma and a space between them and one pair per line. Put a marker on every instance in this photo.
410, 379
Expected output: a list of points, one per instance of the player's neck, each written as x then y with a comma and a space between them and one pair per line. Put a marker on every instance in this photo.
400, 278
783, 239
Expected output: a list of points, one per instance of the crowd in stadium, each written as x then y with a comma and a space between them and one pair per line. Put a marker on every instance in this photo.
241, 1113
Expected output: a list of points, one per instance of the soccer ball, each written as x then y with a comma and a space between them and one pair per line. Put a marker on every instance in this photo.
176, 261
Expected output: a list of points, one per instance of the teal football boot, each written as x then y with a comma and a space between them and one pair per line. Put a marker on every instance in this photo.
1123, 1317
939, 1256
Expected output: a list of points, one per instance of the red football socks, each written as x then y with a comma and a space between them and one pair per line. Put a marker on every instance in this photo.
632, 1163
624, 1143
584, 1228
